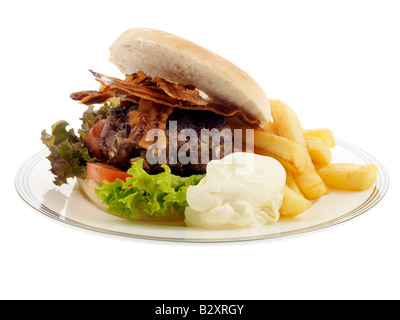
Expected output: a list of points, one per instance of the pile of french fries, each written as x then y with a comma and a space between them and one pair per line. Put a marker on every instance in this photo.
306, 156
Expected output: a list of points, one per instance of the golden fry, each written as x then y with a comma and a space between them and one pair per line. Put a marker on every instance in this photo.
349, 177
287, 123
319, 151
295, 159
293, 203
291, 183
325, 134
289, 153
311, 185
270, 127
319, 166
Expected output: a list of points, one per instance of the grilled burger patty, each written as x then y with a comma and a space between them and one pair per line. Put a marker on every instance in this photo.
118, 152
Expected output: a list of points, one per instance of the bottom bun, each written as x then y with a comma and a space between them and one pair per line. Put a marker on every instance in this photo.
172, 216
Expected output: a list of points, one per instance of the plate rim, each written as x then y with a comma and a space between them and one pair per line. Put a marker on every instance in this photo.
379, 192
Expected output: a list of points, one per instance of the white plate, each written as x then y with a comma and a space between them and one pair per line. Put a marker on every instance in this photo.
66, 204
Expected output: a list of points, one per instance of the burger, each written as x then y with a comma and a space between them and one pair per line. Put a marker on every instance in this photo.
129, 155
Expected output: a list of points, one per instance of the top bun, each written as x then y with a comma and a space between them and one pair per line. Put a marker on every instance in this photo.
158, 53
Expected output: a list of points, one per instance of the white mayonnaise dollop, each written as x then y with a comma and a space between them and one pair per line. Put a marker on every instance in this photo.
240, 190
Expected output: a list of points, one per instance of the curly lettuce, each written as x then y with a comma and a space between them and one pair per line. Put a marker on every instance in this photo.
68, 153
154, 193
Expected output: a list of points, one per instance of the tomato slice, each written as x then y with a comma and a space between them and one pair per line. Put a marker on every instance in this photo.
93, 138
102, 171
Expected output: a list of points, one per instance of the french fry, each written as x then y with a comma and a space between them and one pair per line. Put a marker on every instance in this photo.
349, 177
287, 152
325, 134
318, 150
291, 183
289, 127
287, 123
270, 127
293, 203
311, 184
294, 158
319, 166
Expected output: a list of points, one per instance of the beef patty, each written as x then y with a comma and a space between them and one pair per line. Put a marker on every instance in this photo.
120, 153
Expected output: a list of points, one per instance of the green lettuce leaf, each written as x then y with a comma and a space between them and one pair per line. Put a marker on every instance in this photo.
68, 153
153, 193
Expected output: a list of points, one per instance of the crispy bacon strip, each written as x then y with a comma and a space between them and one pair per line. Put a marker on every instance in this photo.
139, 78
131, 88
160, 91
180, 92
147, 117
92, 97
100, 97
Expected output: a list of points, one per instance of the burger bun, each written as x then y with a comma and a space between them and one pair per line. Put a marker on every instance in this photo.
158, 53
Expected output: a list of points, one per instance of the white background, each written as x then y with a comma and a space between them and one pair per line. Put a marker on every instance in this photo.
335, 62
